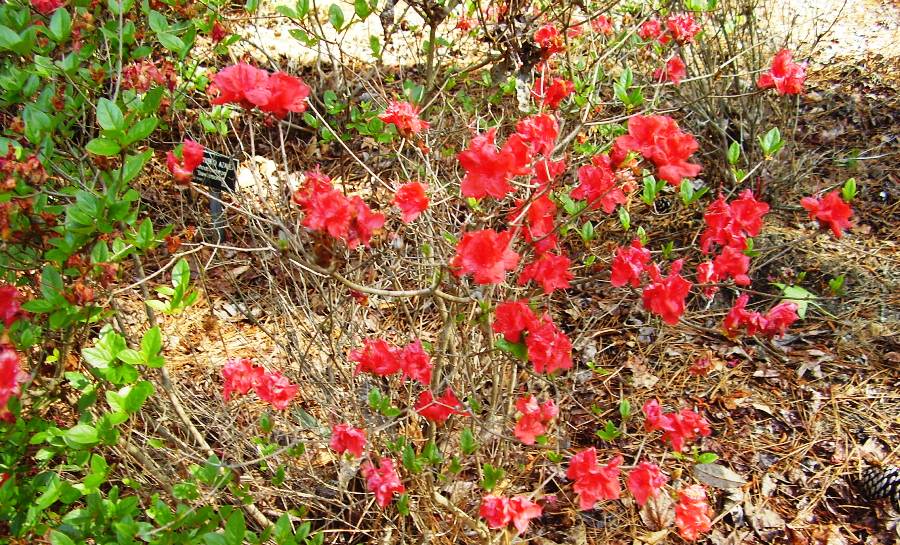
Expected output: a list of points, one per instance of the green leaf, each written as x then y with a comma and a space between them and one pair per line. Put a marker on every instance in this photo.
37, 123
134, 164
492, 476
375, 45
707, 458
171, 42
151, 344
59, 538
362, 9
142, 129
302, 8
797, 295
50, 494
734, 153
81, 434
131, 357
109, 116
519, 350
103, 146
625, 409
467, 441
60, 25
403, 504
137, 395
336, 16
848, 192
9, 38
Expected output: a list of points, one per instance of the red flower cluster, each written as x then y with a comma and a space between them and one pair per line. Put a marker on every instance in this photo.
549, 40
346, 438
549, 349
682, 27
539, 132
46, 7
731, 224
10, 305
11, 376
248, 86
411, 200
383, 480
380, 358
692, 512
489, 171
546, 172
603, 25
485, 254
645, 481
191, 157
540, 224
550, 271
241, 376
773, 323
786, 76
666, 296
534, 419
499, 511
405, 117
628, 264
218, 32
328, 210
551, 93
592, 481
658, 139
679, 428
439, 410
598, 185
830, 209
651, 29
465, 24
673, 71
141, 75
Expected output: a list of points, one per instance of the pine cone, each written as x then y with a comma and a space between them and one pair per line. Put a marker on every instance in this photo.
881, 482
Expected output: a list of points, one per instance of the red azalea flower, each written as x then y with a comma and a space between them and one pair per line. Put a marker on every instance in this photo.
286, 94
686, 426
539, 132
674, 71
465, 24
241, 84
683, 27
10, 305
540, 223
598, 185
746, 214
376, 357
592, 481
495, 510
534, 419
411, 200
603, 25
415, 363
549, 349
192, 156
46, 7
574, 31
329, 212
346, 438
241, 376
439, 410
217, 33
488, 171
666, 296
731, 224
314, 182
692, 512
650, 29
645, 482
628, 264
785, 76
383, 480
551, 93
521, 511
547, 171
485, 254
706, 274
511, 318
363, 223
732, 263
277, 390
11, 377
549, 40
405, 117
658, 139
831, 210
550, 271
655, 418
775, 322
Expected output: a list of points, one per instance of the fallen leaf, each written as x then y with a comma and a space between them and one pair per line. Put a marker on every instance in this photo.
658, 513
718, 476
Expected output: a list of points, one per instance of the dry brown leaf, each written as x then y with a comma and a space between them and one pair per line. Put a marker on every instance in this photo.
642, 377
658, 513
718, 476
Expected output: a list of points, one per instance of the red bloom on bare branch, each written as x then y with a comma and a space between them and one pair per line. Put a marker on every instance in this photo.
411, 200
248, 86
415, 363
534, 419
682, 27
650, 29
486, 255
603, 25
665, 297
405, 117
191, 157
549, 349
11, 377
383, 480
786, 76
511, 318
549, 40
10, 305
673, 71
540, 222
551, 93
241, 376
831, 210
658, 139
594, 482
346, 438
489, 171
539, 132
692, 512
598, 185
550, 271
645, 481
376, 357
628, 264
439, 410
